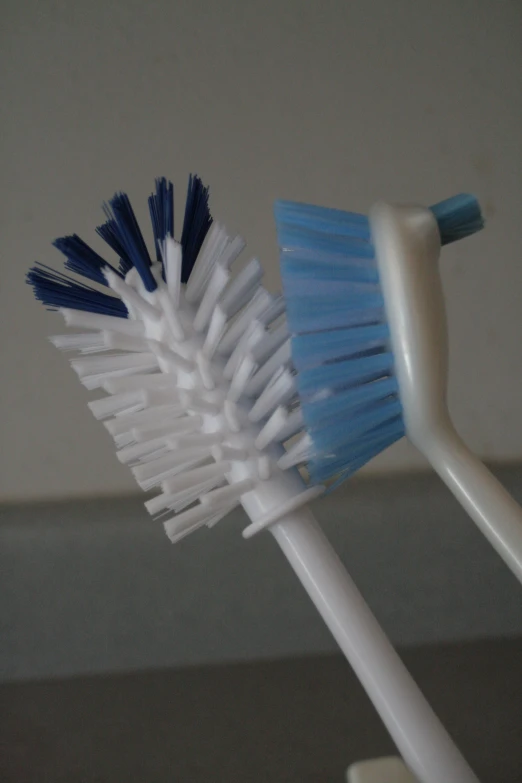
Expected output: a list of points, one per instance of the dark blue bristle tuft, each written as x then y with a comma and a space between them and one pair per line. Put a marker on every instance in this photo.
127, 232
196, 224
161, 207
108, 231
55, 290
82, 259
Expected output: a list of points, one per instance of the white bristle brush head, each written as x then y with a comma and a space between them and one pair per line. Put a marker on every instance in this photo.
201, 393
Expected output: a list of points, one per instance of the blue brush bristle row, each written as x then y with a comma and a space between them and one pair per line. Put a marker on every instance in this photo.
196, 224
340, 339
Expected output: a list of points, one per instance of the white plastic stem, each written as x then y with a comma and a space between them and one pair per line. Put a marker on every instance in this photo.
407, 244
417, 732
420, 737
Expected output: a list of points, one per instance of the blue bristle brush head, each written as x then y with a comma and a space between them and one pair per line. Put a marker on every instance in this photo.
340, 339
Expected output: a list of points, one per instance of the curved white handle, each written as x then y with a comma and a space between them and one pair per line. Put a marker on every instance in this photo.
491, 507
417, 732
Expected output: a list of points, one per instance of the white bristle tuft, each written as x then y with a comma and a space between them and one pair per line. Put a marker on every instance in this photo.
260, 303
218, 280
213, 246
183, 425
271, 341
124, 342
221, 498
274, 311
195, 440
187, 522
264, 468
205, 371
128, 294
152, 474
173, 259
215, 472
92, 342
97, 365
80, 319
169, 311
242, 289
272, 429
294, 425
298, 453
173, 360
253, 335
131, 382
232, 415
215, 518
128, 402
244, 370
231, 251
215, 331
279, 390
230, 453
281, 358
139, 450
198, 404
150, 417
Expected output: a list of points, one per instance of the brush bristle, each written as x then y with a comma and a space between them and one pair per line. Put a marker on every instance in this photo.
204, 370
199, 377
340, 340
458, 217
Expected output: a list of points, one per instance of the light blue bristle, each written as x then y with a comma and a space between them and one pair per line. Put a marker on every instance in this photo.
311, 350
341, 375
340, 340
458, 217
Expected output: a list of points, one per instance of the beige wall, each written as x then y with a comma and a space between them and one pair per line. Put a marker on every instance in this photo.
332, 102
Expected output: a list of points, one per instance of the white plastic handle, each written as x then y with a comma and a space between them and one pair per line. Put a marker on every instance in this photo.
490, 506
418, 734
407, 244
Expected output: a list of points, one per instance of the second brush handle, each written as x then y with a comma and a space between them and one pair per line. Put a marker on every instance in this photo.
491, 507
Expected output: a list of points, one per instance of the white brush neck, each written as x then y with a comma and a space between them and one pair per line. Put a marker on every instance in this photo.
407, 245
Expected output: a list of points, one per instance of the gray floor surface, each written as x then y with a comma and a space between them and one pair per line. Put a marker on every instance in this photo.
291, 721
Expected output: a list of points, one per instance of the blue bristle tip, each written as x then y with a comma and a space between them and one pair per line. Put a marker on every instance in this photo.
196, 223
161, 207
55, 289
82, 259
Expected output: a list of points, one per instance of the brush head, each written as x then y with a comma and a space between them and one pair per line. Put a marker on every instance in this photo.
194, 359
341, 341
